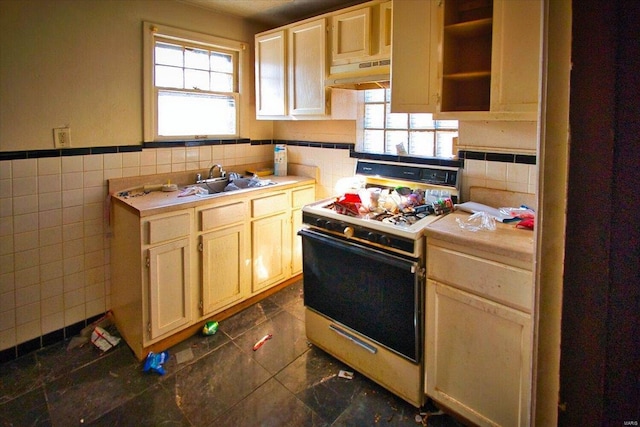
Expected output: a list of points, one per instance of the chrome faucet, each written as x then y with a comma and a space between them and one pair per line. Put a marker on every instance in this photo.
222, 172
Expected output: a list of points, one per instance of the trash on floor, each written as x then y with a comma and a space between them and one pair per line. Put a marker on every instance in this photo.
262, 341
210, 328
184, 356
154, 362
103, 339
345, 374
105, 322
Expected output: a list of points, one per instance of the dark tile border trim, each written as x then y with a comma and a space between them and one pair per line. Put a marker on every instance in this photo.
37, 154
53, 337
498, 157
462, 154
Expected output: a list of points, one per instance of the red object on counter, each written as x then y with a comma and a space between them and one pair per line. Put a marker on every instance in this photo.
262, 341
526, 223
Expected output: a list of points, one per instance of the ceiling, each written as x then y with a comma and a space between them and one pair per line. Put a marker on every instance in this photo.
273, 12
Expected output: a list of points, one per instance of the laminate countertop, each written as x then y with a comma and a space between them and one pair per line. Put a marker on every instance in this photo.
155, 202
506, 240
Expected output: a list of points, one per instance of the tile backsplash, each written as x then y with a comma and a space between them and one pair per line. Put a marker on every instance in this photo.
54, 253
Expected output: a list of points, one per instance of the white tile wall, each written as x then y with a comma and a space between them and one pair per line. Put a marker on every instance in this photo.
498, 175
54, 254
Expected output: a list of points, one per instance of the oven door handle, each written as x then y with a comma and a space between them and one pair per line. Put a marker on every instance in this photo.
354, 339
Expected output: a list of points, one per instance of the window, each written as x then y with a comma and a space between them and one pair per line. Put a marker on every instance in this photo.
191, 87
417, 135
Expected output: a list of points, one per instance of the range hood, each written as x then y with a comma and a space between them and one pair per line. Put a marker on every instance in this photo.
360, 76
378, 81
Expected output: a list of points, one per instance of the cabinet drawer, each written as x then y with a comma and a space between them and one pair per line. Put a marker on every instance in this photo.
302, 197
269, 205
168, 228
498, 282
222, 215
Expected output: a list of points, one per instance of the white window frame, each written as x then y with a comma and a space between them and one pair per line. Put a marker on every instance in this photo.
360, 144
151, 33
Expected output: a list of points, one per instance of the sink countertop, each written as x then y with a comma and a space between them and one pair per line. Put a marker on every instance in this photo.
156, 202
506, 240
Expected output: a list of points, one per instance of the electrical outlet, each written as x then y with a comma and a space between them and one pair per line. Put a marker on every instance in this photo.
61, 137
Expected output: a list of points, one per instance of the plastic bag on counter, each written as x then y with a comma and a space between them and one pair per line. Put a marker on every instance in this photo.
523, 212
477, 222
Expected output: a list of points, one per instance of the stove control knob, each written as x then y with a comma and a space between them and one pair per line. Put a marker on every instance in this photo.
322, 223
373, 237
348, 232
384, 240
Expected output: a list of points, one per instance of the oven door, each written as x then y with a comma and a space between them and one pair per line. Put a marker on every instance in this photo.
374, 293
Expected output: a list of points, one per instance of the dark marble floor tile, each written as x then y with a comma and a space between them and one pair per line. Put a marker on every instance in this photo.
376, 406
156, 406
288, 295
192, 349
29, 410
313, 377
270, 405
296, 308
249, 317
18, 377
57, 360
216, 382
97, 388
287, 343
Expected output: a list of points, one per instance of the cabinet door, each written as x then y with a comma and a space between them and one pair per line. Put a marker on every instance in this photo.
386, 28
271, 253
223, 268
515, 68
350, 36
307, 69
414, 67
169, 287
478, 357
271, 73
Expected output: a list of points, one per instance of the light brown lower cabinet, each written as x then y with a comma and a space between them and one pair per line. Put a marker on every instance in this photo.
478, 336
172, 270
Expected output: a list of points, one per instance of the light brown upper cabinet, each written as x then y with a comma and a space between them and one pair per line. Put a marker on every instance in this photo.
490, 63
290, 71
361, 39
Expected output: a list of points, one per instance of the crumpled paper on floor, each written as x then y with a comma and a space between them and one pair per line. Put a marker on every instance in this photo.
103, 339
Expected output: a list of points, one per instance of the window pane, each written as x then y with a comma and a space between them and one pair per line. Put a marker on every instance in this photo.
421, 121
196, 58
374, 95
222, 82
221, 62
447, 124
374, 116
169, 54
373, 141
190, 114
196, 79
421, 143
396, 120
445, 143
169, 77
396, 141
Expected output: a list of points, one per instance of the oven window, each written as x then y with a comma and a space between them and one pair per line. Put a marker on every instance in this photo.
371, 292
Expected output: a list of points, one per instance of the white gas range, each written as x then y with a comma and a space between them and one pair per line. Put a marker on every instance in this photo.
364, 270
